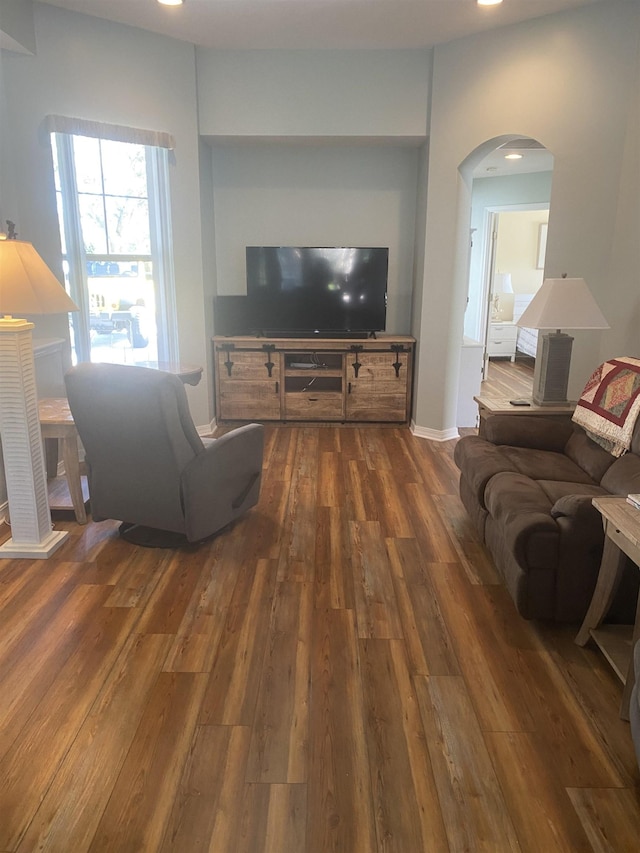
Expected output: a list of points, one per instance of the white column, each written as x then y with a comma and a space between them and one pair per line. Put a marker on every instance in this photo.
32, 535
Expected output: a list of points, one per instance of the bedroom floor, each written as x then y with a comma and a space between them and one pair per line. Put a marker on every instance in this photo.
507, 378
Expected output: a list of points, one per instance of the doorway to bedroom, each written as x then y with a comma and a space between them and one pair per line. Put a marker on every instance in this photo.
516, 248
510, 201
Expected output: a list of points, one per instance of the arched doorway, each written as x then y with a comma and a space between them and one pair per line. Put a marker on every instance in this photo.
510, 186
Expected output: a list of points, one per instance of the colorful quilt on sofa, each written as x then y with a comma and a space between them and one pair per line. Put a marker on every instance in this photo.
610, 404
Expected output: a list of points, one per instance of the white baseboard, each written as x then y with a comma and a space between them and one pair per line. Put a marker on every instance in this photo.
434, 434
207, 431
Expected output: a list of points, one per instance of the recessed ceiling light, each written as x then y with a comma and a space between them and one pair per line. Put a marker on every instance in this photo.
513, 156
180, 2
488, 2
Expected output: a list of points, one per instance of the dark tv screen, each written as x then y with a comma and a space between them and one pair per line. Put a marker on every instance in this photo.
317, 289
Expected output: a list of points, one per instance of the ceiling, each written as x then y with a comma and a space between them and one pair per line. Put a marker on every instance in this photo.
321, 24
534, 157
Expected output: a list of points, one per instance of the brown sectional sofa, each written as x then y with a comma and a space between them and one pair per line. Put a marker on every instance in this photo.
527, 483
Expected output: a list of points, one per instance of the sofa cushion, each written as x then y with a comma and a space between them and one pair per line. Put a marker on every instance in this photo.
528, 431
593, 459
520, 507
556, 490
545, 465
623, 477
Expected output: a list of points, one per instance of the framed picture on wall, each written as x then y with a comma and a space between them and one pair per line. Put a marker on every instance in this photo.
542, 245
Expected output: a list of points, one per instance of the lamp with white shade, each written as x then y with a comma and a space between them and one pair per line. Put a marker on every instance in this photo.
559, 303
501, 284
27, 286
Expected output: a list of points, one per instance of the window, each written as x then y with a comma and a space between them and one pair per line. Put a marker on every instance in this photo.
113, 210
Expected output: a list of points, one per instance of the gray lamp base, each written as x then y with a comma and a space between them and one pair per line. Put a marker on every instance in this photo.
551, 376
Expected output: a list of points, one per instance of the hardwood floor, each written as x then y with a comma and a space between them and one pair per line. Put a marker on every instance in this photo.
507, 378
341, 670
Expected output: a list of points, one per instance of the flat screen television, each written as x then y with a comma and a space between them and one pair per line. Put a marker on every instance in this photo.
317, 290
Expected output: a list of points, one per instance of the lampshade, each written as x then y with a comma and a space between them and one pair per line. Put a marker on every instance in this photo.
27, 285
563, 303
502, 283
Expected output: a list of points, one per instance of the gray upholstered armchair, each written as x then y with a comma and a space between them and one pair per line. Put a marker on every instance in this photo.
147, 465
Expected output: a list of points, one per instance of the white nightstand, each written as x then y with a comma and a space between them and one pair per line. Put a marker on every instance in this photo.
502, 340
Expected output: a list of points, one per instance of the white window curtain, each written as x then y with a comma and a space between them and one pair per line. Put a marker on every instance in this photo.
115, 132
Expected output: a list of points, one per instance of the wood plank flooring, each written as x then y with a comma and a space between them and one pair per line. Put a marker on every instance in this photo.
341, 670
507, 378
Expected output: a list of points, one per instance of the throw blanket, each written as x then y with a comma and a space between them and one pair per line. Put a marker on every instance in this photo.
610, 403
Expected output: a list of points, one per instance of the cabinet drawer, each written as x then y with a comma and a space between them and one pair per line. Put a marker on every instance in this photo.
244, 400
501, 348
501, 332
323, 405
247, 365
377, 367
387, 406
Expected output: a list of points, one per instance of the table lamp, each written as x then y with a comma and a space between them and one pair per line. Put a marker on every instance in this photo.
27, 286
559, 303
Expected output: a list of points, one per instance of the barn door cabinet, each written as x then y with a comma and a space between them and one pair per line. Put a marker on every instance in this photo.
314, 379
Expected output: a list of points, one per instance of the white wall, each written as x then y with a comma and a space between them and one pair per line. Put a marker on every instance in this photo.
517, 252
94, 69
308, 195
567, 80
272, 93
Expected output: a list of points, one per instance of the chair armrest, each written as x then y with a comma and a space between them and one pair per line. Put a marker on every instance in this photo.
523, 431
223, 481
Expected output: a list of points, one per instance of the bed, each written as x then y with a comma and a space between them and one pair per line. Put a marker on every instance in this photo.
527, 339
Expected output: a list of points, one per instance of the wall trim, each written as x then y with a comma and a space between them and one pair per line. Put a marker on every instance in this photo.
207, 431
434, 434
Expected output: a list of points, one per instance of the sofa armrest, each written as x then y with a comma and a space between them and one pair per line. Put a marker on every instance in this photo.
524, 431
579, 508
478, 461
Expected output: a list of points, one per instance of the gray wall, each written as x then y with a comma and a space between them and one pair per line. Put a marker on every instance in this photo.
572, 84
292, 195
306, 94
88, 68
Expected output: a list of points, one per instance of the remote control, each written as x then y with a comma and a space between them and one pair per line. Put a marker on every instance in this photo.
519, 403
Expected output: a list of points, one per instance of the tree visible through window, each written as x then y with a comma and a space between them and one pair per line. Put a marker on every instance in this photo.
112, 201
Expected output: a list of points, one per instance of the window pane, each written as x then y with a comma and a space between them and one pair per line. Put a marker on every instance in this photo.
128, 225
63, 239
124, 168
86, 154
92, 224
122, 312
56, 171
